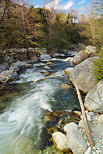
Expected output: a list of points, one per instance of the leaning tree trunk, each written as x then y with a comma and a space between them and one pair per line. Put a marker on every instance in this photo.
87, 128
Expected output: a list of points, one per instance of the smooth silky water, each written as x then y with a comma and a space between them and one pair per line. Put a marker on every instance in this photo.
27, 100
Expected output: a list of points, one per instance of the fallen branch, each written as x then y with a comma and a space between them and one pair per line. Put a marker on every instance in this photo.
87, 128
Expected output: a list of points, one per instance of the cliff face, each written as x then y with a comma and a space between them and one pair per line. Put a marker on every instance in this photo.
9, 7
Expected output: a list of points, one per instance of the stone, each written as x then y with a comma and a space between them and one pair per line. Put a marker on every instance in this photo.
44, 72
81, 124
46, 68
94, 98
49, 63
70, 126
89, 150
76, 142
55, 74
45, 57
82, 55
100, 118
56, 55
98, 130
17, 66
65, 86
28, 65
8, 76
4, 66
77, 112
84, 77
90, 49
60, 141
69, 59
68, 70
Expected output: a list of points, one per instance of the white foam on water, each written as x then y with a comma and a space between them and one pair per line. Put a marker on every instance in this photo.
23, 119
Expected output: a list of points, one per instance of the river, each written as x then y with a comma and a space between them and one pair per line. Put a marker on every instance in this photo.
25, 104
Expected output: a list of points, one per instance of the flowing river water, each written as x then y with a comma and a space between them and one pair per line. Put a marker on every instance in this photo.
26, 104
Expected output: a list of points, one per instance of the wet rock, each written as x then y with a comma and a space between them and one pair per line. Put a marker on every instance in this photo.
44, 72
65, 86
94, 98
18, 66
68, 70
69, 59
56, 55
28, 65
49, 63
3, 67
60, 141
83, 73
54, 74
76, 142
45, 57
8, 76
47, 68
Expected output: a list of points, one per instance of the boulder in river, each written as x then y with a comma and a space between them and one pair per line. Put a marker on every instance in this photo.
45, 57
84, 77
94, 98
18, 66
8, 76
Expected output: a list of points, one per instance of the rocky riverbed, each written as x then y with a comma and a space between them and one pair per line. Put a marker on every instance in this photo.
63, 128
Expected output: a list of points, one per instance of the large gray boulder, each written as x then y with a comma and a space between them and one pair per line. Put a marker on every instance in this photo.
18, 66
76, 142
84, 77
45, 57
8, 76
94, 98
82, 55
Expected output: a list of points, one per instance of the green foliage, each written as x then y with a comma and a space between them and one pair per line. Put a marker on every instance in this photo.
98, 66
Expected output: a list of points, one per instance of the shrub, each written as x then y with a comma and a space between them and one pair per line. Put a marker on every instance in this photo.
98, 66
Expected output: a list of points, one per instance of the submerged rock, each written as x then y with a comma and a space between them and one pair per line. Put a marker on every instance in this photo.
65, 86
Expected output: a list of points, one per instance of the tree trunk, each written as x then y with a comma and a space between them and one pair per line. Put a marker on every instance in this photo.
87, 128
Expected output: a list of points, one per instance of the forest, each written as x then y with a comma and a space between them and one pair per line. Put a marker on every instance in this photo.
23, 26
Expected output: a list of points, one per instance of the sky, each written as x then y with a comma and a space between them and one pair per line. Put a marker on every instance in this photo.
63, 5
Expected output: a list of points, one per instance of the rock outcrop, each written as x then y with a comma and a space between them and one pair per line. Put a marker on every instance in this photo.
84, 77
